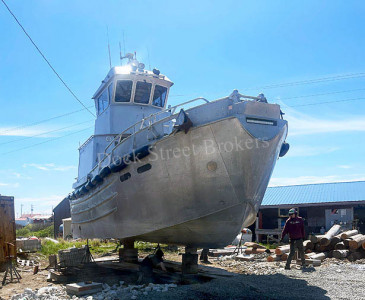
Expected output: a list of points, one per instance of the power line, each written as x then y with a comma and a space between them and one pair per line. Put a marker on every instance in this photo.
311, 81
43, 133
46, 60
318, 103
323, 94
42, 121
51, 140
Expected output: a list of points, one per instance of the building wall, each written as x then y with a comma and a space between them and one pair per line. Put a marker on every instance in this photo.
317, 217
343, 216
61, 211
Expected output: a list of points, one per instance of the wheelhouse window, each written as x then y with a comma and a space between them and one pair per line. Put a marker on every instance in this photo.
103, 101
143, 92
123, 91
159, 96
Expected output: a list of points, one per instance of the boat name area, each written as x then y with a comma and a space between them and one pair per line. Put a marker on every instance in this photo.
206, 147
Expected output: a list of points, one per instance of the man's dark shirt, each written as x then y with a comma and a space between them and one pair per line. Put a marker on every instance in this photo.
295, 228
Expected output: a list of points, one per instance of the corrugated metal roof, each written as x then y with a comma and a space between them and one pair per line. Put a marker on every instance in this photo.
315, 193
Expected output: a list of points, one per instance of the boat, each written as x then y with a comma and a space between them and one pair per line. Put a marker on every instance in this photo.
193, 174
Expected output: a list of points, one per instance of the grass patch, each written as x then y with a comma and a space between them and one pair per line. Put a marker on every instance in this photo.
38, 230
269, 246
99, 247
96, 246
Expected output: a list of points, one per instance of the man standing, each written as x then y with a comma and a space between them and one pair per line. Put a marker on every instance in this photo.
294, 226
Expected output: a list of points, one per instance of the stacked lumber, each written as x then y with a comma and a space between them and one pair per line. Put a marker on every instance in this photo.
340, 245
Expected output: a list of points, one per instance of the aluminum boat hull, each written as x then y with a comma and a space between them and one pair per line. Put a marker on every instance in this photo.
202, 188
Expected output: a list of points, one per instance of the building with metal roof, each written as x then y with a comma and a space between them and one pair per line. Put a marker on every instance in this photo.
321, 205
315, 194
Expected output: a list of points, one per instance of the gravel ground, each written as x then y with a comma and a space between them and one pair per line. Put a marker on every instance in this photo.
256, 280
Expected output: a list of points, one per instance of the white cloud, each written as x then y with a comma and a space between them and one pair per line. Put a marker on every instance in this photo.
10, 185
303, 124
344, 167
300, 151
21, 176
49, 167
281, 181
25, 132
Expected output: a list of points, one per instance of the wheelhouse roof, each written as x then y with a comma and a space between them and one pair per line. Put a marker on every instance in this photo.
127, 70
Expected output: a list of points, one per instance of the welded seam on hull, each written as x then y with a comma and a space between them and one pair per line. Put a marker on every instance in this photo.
225, 167
97, 218
98, 204
73, 202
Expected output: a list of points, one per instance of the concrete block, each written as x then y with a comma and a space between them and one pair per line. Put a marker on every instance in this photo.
83, 288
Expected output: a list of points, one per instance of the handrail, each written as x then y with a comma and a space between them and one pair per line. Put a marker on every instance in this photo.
171, 109
142, 122
152, 115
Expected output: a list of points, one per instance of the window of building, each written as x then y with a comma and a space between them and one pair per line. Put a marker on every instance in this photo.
159, 96
123, 91
143, 92
103, 101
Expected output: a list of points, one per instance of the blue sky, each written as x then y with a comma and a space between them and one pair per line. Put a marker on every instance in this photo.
208, 48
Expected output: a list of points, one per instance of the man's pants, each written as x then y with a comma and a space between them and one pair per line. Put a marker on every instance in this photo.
296, 244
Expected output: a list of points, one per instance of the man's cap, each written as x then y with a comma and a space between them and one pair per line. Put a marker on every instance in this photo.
292, 211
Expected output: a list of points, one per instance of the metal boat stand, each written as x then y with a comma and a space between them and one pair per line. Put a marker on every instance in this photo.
10, 268
88, 257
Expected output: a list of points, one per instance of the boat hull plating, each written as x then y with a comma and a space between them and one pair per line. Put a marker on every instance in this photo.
202, 188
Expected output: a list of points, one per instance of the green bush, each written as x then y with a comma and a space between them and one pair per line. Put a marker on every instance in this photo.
38, 230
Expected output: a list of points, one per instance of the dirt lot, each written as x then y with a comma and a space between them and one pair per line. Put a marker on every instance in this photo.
252, 280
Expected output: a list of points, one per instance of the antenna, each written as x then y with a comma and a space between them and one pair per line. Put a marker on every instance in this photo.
120, 53
123, 43
148, 57
110, 60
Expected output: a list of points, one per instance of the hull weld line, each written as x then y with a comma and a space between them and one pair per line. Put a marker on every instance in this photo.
96, 205
97, 218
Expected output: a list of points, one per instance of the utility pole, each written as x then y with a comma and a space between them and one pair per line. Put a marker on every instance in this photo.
21, 210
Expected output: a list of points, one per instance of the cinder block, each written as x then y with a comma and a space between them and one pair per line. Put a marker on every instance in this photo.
84, 288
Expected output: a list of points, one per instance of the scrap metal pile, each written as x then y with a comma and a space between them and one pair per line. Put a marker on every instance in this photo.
334, 244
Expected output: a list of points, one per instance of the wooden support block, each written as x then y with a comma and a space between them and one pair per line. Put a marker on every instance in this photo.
189, 263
